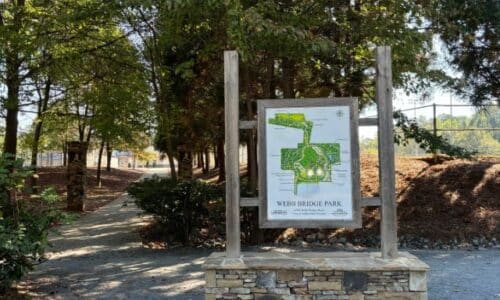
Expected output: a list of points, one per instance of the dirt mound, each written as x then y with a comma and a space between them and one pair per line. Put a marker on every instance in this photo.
443, 203
453, 199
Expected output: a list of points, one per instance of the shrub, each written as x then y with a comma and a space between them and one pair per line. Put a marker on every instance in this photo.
180, 206
426, 139
24, 233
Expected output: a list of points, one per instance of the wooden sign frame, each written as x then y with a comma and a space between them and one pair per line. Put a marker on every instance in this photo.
352, 104
387, 193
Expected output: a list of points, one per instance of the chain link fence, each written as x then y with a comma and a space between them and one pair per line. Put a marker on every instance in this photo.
463, 125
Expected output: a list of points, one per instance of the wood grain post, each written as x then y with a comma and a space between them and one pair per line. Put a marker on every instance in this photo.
434, 129
388, 220
77, 175
231, 108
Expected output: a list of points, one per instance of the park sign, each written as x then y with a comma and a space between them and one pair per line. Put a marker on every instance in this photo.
308, 158
309, 163
320, 129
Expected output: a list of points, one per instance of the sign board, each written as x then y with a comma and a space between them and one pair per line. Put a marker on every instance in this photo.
309, 163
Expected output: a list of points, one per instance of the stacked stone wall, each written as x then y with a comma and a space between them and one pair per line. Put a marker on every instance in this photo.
314, 284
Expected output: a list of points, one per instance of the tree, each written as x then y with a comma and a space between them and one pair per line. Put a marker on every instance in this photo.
181, 44
121, 108
14, 54
34, 36
288, 49
324, 48
470, 32
105, 93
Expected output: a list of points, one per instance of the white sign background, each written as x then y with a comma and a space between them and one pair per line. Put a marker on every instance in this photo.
313, 201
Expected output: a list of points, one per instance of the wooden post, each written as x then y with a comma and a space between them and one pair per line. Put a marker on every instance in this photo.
232, 166
434, 122
77, 177
388, 220
434, 129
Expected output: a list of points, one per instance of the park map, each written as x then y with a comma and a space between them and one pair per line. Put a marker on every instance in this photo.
310, 162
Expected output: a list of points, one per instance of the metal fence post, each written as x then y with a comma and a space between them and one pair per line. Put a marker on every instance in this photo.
434, 121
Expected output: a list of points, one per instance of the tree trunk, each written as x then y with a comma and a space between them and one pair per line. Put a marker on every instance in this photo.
65, 154
216, 157
185, 163
12, 107
171, 163
89, 135
13, 63
99, 162
13, 84
287, 81
43, 104
207, 161
220, 154
269, 84
109, 155
255, 232
252, 163
32, 182
34, 147
251, 137
203, 163
199, 160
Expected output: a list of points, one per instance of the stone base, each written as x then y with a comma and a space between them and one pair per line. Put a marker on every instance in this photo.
315, 275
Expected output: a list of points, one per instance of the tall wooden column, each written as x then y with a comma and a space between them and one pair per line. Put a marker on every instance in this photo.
77, 165
388, 220
231, 108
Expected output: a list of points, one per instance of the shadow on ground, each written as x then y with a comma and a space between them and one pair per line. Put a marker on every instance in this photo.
100, 256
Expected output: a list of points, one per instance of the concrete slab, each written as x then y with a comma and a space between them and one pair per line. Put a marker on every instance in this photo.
341, 261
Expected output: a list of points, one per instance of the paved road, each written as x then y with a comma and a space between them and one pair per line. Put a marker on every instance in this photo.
100, 256
466, 275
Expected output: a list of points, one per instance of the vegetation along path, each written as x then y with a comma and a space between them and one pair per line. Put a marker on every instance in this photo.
100, 256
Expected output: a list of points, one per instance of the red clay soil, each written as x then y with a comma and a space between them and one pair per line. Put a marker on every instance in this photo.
113, 183
446, 200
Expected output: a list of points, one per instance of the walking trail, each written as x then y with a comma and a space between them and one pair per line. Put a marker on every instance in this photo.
100, 256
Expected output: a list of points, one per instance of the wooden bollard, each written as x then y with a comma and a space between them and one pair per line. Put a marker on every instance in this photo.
77, 175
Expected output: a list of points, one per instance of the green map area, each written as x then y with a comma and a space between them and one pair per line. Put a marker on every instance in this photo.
310, 162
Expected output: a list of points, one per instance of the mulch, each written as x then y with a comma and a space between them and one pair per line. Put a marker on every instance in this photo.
438, 200
113, 184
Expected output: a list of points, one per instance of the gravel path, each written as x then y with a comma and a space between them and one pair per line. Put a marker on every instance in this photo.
100, 256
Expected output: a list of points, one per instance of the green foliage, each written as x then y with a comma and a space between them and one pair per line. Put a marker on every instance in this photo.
484, 142
179, 206
429, 142
471, 34
73, 61
287, 49
369, 146
12, 175
23, 237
